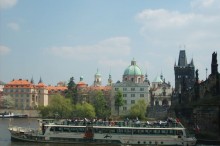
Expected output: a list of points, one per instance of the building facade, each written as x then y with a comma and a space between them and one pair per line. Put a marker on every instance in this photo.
133, 87
184, 73
161, 92
25, 94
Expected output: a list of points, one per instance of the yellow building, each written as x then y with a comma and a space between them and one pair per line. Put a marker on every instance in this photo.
25, 94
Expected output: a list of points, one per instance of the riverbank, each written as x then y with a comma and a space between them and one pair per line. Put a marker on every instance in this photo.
30, 113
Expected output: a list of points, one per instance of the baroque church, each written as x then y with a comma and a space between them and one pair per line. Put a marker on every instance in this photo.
134, 86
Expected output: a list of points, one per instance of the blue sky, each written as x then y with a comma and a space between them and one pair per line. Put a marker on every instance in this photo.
57, 39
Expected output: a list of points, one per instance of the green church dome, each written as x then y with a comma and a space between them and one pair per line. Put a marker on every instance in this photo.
133, 69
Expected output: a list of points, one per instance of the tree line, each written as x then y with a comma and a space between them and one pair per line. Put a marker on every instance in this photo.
70, 105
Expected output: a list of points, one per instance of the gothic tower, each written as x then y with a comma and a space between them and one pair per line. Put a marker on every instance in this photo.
214, 65
184, 73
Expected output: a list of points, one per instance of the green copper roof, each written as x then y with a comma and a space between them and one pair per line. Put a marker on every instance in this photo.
158, 80
133, 69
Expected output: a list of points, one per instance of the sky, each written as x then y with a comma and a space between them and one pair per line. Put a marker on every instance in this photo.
58, 39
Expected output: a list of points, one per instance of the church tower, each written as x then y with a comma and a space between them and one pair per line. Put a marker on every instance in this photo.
184, 73
214, 65
98, 79
110, 80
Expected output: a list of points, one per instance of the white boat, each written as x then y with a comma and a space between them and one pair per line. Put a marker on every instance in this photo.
12, 115
169, 133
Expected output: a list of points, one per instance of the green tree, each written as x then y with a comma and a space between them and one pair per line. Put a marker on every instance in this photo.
84, 110
71, 90
119, 101
8, 102
45, 111
138, 109
59, 106
100, 105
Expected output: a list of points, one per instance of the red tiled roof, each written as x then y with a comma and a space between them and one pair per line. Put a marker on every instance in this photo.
41, 85
55, 88
19, 83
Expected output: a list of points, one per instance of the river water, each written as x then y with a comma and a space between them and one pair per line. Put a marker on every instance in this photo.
5, 137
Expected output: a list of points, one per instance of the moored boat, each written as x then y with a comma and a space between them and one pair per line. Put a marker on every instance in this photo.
170, 132
12, 115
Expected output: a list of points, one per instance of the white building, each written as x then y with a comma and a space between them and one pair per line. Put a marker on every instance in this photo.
161, 92
133, 87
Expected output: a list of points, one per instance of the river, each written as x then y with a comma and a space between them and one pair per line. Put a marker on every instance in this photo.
5, 137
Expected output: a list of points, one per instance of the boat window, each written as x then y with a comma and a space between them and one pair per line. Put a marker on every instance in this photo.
171, 132
179, 132
81, 129
164, 131
58, 129
112, 130
66, 129
106, 131
97, 130
155, 132
52, 128
73, 129
127, 131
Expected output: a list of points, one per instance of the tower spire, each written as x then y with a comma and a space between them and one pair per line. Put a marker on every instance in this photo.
40, 81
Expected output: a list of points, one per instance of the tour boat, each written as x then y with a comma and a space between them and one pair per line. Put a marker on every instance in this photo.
170, 132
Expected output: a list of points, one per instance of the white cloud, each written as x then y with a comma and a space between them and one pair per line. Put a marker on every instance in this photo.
109, 48
4, 50
163, 27
202, 3
165, 30
14, 26
5, 4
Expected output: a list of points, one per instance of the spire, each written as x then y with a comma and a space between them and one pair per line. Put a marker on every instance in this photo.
192, 62
40, 81
32, 80
133, 62
146, 79
81, 78
182, 58
161, 76
109, 79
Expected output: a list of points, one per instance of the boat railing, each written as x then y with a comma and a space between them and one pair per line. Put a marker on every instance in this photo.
152, 124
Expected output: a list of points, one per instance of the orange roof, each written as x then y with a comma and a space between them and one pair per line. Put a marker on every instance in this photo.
40, 85
19, 83
55, 88
100, 87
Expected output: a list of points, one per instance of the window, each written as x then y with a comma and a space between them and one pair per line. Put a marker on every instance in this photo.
132, 95
132, 89
132, 101
116, 89
27, 95
124, 95
124, 108
125, 101
124, 89
141, 89
141, 95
